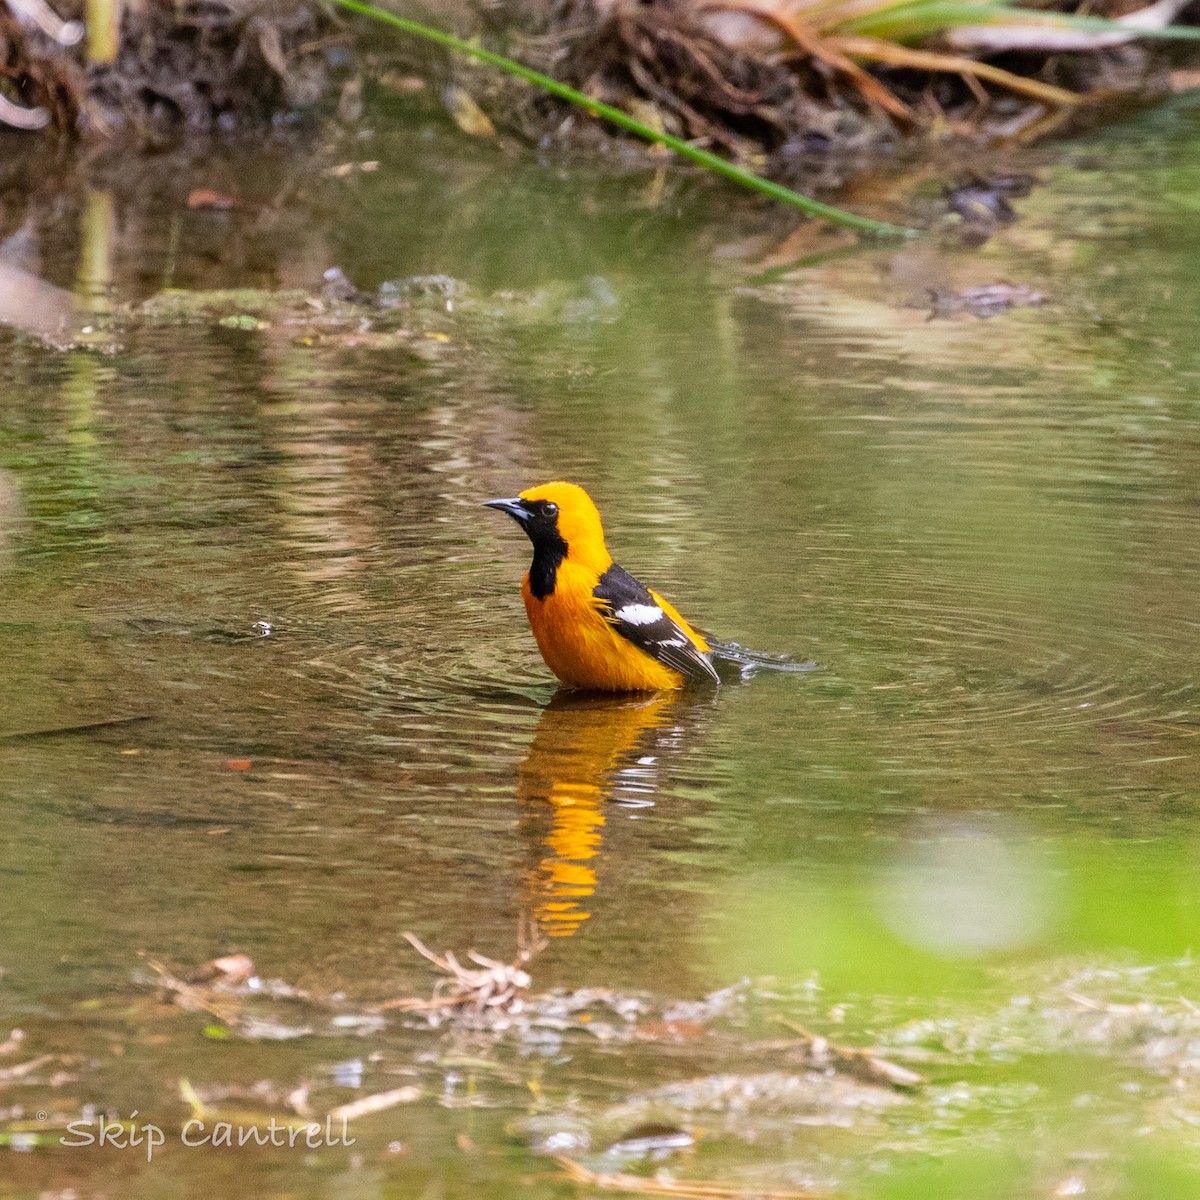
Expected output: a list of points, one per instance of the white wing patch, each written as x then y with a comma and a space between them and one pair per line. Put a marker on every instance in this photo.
636, 614
639, 614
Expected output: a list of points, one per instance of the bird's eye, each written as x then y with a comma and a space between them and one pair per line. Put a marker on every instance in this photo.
550, 509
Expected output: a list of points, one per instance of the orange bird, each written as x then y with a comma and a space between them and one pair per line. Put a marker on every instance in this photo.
596, 626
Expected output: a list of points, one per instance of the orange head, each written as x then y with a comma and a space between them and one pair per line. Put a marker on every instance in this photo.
560, 520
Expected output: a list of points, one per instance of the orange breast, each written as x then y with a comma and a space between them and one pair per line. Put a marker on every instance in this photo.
581, 648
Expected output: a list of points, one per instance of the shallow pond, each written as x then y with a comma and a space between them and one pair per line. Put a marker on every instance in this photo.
970, 838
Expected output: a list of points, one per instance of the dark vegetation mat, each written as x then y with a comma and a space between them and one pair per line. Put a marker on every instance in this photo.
750, 79
199, 66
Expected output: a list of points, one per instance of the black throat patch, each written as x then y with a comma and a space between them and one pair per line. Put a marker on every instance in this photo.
548, 552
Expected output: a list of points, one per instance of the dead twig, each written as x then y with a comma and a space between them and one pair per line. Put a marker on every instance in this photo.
698, 124
862, 1064
876, 50
489, 984
20, 1070
683, 1189
841, 54
379, 1102
83, 727
22, 118
824, 50
187, 995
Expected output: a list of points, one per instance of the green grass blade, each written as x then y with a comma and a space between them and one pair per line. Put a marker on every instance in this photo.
1182, 33
912, 20
813, 208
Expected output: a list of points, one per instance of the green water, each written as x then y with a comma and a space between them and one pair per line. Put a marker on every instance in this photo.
970, 838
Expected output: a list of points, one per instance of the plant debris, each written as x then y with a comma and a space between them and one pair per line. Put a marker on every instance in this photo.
986, 202
169, 69
80, 727
489, 984
684, 1189
803, 85
987, 301
604, 1138
379, 1102
230, 969
862, 1064
226, 988
650, 1142
207, 198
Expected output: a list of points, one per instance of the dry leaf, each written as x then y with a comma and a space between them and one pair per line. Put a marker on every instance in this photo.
207, 198
351, 168
271, 46
395, 82
468, 116
350, 102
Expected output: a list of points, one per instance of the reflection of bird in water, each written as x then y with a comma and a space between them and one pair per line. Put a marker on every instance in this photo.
582, 750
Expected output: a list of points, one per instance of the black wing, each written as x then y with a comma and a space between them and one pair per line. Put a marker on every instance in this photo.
631, 609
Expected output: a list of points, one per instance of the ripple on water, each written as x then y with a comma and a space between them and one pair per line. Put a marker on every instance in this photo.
969, 636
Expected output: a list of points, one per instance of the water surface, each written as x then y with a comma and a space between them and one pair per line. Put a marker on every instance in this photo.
973, 822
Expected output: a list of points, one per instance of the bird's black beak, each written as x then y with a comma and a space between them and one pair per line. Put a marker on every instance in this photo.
514, 507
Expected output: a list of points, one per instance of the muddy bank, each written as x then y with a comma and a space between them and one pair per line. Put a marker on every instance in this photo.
766, 84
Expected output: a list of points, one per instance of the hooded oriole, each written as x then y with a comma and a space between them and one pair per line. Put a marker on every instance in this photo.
596, 626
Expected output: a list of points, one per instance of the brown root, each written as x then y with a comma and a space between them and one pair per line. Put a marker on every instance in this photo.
704, 89
38, 88
824, 50
927, 60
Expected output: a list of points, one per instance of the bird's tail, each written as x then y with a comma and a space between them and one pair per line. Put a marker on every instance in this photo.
737, 662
